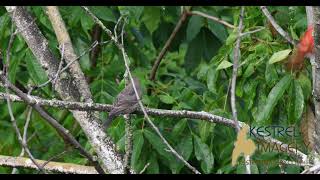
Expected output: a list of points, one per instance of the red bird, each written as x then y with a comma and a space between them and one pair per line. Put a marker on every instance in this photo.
305, 46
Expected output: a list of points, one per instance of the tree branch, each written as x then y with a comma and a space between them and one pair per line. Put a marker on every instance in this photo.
126, 60
178, 114
12, 118
166, 46
212, 18
64, 133
68, 90
236, 58
316, 85
278, 28
67, 168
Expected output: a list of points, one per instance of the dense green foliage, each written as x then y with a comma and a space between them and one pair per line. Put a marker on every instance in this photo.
194, 75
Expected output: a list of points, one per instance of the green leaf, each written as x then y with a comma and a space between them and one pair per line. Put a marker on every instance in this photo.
211, 44
212, 77
161, 35
121, 144
194, 27
184, 148
14, 64
249, 71
131, 11
178, 128
271, 74
275, 94
158, 145
305, 83
38, 75
193, 54
299, 101
231, 38
203, 152
204, 46
218, 30
224, 65
151, 18
202, 73
166, 99
205, 130
153, 168
86, 23
104, 13
279, 56
138, 142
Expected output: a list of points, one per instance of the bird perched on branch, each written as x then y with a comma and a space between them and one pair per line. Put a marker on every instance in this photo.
125, 103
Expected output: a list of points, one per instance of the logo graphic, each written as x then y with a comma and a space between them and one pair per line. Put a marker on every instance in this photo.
243, 145
246, 147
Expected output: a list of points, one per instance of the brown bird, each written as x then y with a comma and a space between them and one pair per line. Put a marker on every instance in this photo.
125, 103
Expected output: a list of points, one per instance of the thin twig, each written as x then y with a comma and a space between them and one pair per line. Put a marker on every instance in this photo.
173, 151
53, 157
212, 18
61, 70
72, 87
125, 57
277, 26
128, 127
144, 168
24, 136
65, 134
166, 46
53, 79
153, 125
236, 59
251, 32
12, 118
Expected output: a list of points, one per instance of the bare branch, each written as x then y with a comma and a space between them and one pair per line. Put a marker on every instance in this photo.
310, 20
12, 118
67, 168
236, 59
144, 168
64, 133
251, 32
177, 114
68, 90
212, 18
128, 127
283, 33
107, 107
126, 59
25, 133
166, 46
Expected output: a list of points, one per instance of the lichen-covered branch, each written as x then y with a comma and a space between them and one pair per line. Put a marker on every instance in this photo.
175, 114
66, 168
316, 85
68, 90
